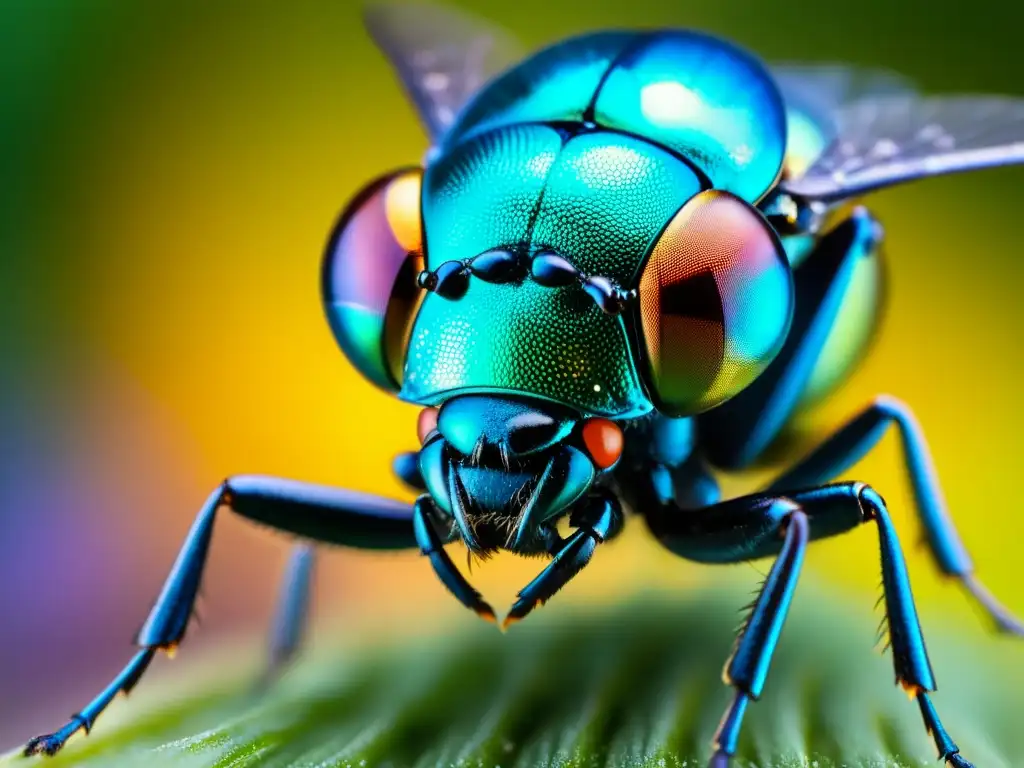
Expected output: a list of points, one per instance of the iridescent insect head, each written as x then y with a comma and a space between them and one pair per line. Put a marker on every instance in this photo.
543, 282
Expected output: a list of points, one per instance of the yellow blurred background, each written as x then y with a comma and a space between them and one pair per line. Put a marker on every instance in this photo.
170, 174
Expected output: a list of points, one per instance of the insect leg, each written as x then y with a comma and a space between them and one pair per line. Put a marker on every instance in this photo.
737, 432
748, 666
292, 611
744, 529
328, 514
432, 544
733, 531
597, 521
858, 436
910, 659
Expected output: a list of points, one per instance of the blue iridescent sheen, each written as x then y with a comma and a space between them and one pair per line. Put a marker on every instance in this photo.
748, 667
555, 344
697, 95
668, 441
433, 469
555, 85
603, 516
492, 453
597, 201
798, 248
606, 201
291, 617
498, 266
579, 270
451, 280
705, 99
809, 134
432, 545
479, 423
856, 324
552, 270
483, 193
854, 440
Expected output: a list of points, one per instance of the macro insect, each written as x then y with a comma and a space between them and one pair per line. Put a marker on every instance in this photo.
626, 261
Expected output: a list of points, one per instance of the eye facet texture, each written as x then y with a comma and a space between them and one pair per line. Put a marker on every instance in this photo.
716, 301
369, 276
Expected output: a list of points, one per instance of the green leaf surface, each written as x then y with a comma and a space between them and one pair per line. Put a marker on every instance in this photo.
633, 684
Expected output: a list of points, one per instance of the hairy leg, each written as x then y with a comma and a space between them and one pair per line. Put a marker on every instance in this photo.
749, 527
328, 514
597, 519
852, 441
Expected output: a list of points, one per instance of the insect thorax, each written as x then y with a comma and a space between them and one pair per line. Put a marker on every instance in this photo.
599, 199
593, 171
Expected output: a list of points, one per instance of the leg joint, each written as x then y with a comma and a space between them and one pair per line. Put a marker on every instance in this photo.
83, 721
800, 523
236, 487
426, 534
872, 504
896, 410
599, 515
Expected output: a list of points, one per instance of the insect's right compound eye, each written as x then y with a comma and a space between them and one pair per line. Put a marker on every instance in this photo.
369, 276
716, 301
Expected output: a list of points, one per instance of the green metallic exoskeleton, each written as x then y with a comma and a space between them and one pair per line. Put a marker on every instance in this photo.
589, 151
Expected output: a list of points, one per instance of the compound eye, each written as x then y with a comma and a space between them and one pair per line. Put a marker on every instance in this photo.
369, 276
716, 300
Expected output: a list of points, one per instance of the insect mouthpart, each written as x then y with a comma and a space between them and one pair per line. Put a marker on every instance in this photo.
504, 469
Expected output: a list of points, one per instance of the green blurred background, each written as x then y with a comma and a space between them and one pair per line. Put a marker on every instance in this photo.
170, 171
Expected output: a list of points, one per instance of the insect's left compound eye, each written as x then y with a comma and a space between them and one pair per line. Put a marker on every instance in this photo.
369, 276
716, 300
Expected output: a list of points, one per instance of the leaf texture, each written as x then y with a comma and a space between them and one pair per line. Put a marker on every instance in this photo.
634, 684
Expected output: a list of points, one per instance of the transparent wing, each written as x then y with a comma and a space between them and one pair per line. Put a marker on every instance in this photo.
442, 56
814, 95
888, 140
823, 89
